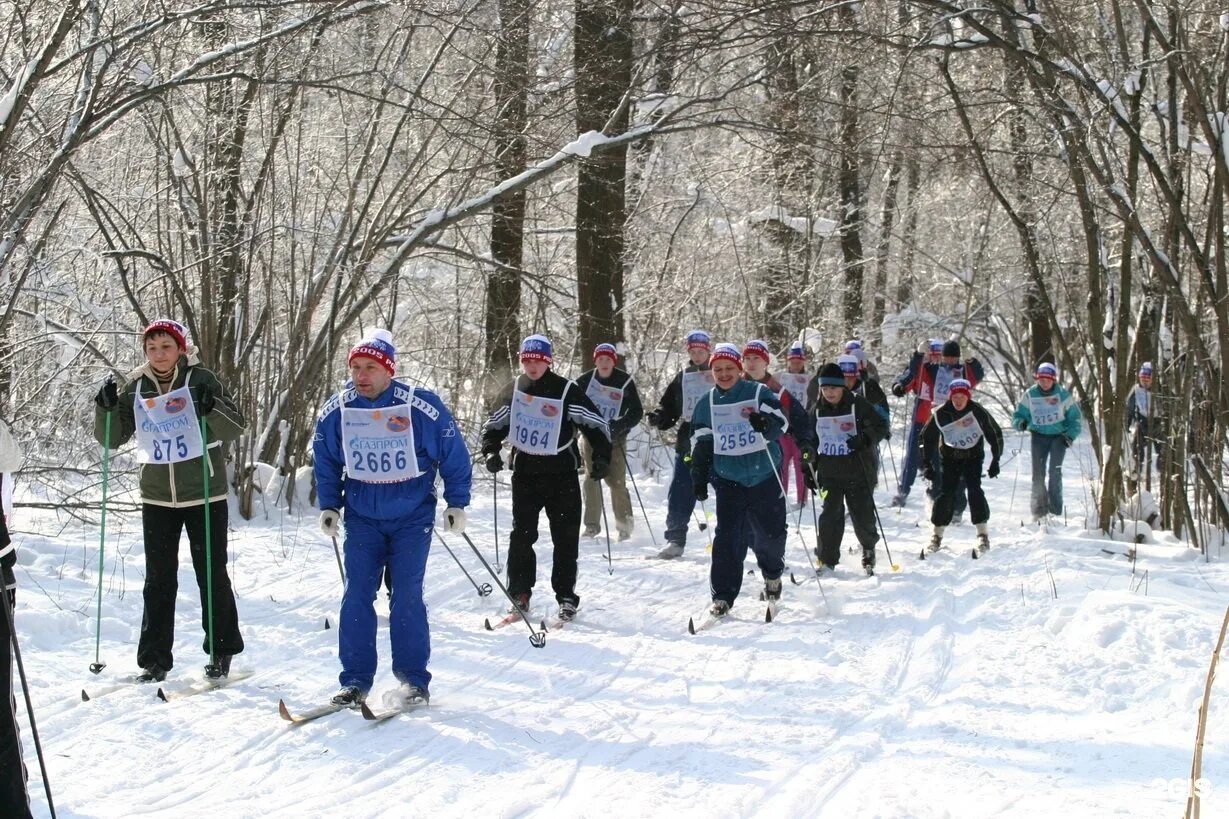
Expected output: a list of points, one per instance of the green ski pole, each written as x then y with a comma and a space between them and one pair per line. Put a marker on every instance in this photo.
98, 665
212, 670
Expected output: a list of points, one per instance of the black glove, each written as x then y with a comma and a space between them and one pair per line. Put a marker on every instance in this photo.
108, 394
808, 478
699, 483
494, 463
618, 429
205, 399
758, 421
993, 471
857, 442
898, 390
658, 420
599, 468
1021, 425
928, 473
1067, 441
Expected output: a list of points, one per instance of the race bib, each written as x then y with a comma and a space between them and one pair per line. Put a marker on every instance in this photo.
1047, 410
696, 385
944, 377
963, 433
608, 400
834, 431
732, 432
796, 385
536, 423
1143, 402
379, 444
167, 429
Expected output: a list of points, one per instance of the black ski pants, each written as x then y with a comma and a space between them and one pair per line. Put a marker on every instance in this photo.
14, 799
163, 526
861, 504
955, 472
559, 494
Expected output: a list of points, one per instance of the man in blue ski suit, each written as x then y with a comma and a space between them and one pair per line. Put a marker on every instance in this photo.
384, 479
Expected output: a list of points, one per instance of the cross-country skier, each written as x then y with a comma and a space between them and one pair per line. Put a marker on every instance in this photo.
379, 445
1050, 414
161, 403
14, 797
539, 414
614, 394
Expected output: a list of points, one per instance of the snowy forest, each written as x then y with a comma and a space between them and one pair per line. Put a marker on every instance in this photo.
1041, 180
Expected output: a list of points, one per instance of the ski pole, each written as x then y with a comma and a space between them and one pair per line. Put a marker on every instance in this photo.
483, 590
340, 568
895, 566
495, 513
606, 526
1016, 478
810, 558
98, 665
212, 670
639, 500
6, 602
537, 639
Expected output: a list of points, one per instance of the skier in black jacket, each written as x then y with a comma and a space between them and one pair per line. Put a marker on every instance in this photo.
540, 413
956, 432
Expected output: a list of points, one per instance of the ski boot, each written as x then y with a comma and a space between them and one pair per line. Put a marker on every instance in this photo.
350, 696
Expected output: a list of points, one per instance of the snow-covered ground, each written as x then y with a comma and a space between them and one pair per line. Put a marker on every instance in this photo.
1046, 679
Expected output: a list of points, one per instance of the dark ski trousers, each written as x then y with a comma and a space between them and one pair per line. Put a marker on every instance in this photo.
966, 471
746, 516
14, 800
396, 550
162, 529
861, 503
680, 500
559, 494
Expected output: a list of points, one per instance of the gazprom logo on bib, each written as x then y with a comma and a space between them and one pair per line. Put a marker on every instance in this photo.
846, 426
550, 410
615, 395
398, 423
175, 404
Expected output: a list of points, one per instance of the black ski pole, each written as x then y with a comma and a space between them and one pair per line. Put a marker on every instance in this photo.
6, 601
495, 513
337, 552
537, 639
483, 590
639, 500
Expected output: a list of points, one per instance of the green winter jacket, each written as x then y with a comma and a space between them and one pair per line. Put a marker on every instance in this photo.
181, 484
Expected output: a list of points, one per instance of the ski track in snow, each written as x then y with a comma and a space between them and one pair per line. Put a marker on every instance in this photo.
954, 688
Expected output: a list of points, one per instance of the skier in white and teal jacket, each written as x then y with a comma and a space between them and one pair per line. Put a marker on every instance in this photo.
1048, 411
735, 429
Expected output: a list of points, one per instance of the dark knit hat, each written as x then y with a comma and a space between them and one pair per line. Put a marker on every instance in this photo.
831, 375
951, 349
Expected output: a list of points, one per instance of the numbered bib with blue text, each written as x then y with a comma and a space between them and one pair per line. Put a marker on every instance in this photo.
536, 423
379, 444
732, 432
696, 385
1046, 410
167, 429
796, 385
944, 377
963, 433
834, 431
608, 400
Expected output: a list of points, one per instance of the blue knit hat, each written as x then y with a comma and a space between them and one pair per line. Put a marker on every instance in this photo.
960, 385
1146, 369
936, 345
536, 348
378, 347
1046, 370
848, 364
757, 347
729, 352
797, 352
699, 338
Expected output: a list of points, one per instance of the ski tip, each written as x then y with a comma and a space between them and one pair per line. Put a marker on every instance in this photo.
367, 713
768, 614
284, 711
84, 696
327, 625
922, 555
975, 554
691, 625
542, 625
162, 695
486, 623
